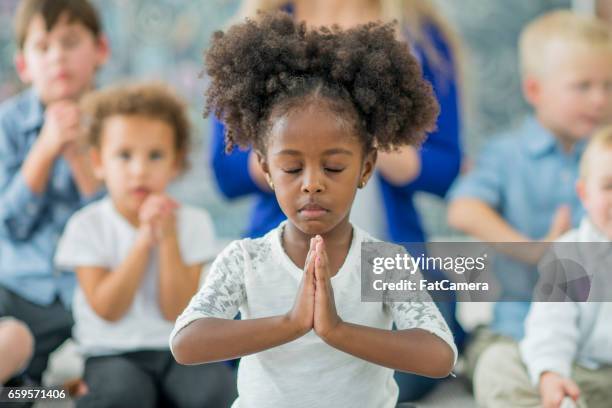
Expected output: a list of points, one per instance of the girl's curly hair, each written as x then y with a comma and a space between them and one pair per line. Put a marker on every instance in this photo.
274, 64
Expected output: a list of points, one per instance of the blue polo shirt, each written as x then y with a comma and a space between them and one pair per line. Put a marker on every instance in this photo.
31, 224
525, 175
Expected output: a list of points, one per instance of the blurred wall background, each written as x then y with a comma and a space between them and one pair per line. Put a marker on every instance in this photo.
165, 39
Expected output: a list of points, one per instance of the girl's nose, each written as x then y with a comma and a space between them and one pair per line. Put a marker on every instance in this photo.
312, 182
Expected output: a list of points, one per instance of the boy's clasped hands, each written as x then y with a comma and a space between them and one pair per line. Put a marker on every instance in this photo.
157, 218
314, 306
62, 129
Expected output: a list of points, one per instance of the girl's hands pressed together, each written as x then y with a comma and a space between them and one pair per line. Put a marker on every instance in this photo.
326, 318
314, 306
302, 313
157, 217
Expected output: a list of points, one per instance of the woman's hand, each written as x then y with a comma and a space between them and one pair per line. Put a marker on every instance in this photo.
301, 315
326, 319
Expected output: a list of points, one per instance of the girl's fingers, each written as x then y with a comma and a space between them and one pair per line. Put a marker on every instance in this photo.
321, 260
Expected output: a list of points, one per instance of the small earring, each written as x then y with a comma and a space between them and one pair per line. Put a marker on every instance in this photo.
361, 184
271, 184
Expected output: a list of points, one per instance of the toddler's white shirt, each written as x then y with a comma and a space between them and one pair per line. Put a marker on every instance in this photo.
99, 236
558, 334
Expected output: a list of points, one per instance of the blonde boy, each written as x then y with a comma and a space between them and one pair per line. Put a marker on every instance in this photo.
522, 188
563, 360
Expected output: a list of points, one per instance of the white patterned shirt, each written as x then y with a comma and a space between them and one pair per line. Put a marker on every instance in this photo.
257, 278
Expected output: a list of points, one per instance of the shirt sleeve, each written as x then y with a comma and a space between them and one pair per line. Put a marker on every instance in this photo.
223, 292
551, 338
81, 244
441, 153
418, 311
20, 207
197, 236
486, 180
231, 170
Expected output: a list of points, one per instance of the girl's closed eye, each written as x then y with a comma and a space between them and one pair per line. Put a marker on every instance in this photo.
293, 170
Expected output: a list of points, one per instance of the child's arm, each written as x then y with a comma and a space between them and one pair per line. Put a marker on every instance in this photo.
110, 293
198, 338
210, 339
478, 219
61, 129
178, 282
24, 176
412, 350
551, 342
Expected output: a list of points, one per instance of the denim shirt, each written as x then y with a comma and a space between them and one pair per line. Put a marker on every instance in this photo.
31, 224
525, 175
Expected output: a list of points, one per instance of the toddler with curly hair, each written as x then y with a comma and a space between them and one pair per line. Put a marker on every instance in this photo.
316, 105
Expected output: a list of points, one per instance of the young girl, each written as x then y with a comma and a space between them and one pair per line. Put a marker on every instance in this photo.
316, 105
138, 257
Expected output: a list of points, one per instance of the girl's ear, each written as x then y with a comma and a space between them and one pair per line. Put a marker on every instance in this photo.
265, 168
369, 164
96, 162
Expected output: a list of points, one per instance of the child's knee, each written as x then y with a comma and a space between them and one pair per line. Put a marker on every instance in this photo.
500, 376
18, 338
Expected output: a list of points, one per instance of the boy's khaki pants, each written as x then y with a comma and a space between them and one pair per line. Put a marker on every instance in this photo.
501, 381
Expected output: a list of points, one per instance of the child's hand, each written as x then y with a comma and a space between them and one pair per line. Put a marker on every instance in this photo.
157, 217
554, 388
302, 313
62, 127
325, 316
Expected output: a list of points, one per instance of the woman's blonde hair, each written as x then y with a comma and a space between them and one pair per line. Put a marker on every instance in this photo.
413, 16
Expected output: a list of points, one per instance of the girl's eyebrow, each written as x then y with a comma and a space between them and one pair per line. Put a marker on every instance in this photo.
328, 152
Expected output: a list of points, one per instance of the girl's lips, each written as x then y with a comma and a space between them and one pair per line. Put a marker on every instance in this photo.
313, 211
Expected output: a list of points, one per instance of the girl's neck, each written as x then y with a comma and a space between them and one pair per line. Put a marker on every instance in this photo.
337, 241
344, 13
